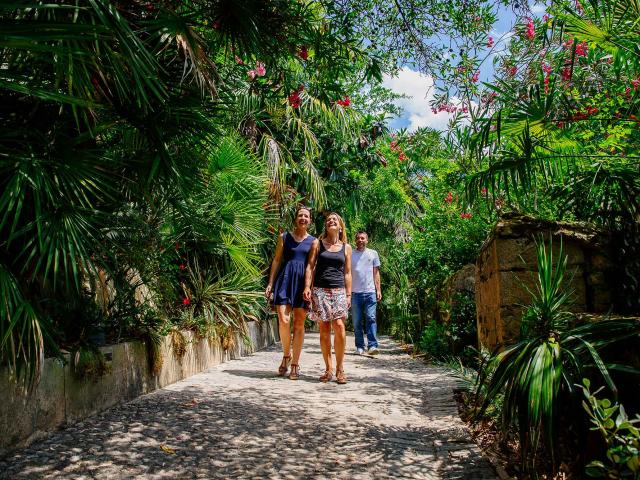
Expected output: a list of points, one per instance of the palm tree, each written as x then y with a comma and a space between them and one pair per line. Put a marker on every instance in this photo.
110, 119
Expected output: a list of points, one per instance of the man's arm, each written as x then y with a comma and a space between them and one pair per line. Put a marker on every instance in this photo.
376, 281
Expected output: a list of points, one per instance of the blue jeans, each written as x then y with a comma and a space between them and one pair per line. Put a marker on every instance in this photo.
363, 309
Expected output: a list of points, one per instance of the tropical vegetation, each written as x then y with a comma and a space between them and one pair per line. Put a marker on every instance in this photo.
151, 151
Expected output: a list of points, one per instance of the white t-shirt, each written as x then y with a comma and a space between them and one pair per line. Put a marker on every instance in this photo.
362, 264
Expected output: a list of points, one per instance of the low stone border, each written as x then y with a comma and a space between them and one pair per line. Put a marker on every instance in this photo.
61, 398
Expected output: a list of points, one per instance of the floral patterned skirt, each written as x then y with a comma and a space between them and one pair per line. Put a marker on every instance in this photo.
328, 304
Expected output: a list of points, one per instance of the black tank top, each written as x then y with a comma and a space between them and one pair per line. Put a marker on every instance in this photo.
329, 268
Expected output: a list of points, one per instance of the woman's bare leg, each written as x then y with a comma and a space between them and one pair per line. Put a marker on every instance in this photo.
339, 342
325, 344
284, 327
299, 316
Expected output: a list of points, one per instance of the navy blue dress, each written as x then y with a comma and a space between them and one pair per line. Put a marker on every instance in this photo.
289, 283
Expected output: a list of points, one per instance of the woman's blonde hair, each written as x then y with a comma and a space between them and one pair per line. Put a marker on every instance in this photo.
342, 236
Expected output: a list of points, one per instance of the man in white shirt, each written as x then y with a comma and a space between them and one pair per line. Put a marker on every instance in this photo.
366, 293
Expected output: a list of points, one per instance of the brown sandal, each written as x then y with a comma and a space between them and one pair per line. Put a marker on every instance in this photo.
284, 366
326, 376
295, 372
341, 378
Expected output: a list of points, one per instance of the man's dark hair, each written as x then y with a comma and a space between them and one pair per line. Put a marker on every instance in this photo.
362, 231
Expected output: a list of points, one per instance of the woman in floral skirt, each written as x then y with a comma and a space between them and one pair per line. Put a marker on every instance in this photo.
329, 273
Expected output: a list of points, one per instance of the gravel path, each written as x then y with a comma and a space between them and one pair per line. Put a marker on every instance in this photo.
396, 418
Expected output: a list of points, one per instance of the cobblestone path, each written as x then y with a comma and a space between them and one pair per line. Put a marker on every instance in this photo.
396, 418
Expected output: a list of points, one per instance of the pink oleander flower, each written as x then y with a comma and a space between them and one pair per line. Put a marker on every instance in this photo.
531, 29
261, 71
239, 61
512, 71
546, 68
566, 74
635, 83
476, 77
490, 42
251, 74
582, 49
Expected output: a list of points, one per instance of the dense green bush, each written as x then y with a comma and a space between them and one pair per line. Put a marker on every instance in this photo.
620, 433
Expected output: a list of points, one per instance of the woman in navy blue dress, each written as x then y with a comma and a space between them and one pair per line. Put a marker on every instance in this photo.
286, 284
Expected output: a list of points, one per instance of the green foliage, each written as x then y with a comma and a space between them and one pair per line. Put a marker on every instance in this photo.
538, 374
455, 338
620, 433
435, 340
121, 168
89, 363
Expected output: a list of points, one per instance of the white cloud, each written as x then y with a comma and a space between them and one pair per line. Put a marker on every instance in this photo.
417, 110
538, 8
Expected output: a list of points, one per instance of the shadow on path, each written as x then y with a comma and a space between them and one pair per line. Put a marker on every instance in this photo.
394, 419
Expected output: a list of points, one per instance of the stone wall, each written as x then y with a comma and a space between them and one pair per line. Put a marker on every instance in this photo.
464, 280
507, 269
62, 398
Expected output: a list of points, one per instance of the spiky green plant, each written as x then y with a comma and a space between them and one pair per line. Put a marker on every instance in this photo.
537, 375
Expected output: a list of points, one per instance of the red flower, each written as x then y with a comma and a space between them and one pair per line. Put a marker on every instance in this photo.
402, 157
303, 53
483, 191
566, 74
239, 61
216, 25
490, 42
531, 29
251, 74
393, 145
635, 83
150, 7
177, 246
182, 266
186, 301
261, 71
475, 77
345, 101
466, 215
512, 71
294, 99
546, 68
449, 198
582, 49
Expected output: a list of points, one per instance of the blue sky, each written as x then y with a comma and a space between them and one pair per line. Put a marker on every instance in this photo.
417, 112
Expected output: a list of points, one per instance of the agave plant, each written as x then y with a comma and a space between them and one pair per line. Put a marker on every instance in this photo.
538, 374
